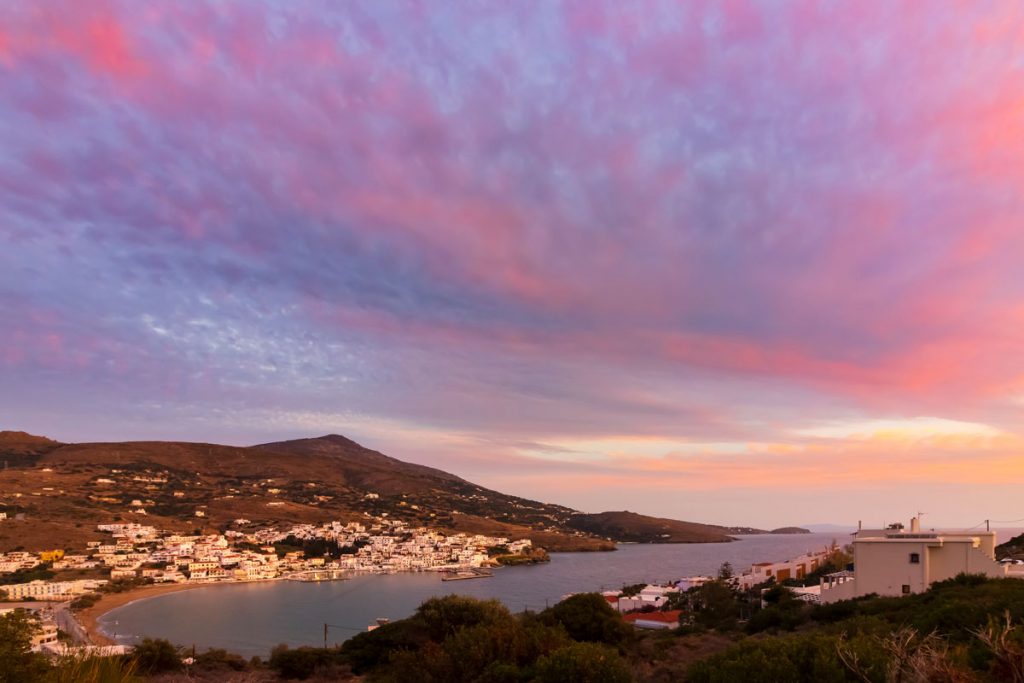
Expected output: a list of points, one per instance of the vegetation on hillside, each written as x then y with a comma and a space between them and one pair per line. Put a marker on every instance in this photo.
965, 629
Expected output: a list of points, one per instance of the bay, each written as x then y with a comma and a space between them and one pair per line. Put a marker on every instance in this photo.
251, 618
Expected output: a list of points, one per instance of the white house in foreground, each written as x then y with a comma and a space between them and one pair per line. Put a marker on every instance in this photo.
893, 562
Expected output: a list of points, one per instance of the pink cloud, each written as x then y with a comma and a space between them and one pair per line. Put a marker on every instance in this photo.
744, 195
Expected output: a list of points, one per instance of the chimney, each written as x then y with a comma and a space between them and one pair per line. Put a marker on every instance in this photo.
915, 525
860, 525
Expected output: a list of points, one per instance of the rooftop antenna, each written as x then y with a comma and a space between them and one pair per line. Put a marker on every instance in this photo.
915, 524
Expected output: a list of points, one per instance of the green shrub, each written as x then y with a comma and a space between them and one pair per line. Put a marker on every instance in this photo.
220, 660
156, 655
588, 617
583, 663
369, 650
801, 658
446, 615
85, 601
303, 662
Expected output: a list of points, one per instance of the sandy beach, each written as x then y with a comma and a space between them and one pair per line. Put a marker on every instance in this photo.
89, 618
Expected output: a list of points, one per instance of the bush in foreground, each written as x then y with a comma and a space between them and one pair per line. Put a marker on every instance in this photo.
304, 662
454, 638
583, 663
588, 617
156, 655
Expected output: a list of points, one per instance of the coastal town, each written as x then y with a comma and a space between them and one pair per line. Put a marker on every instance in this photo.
131, 554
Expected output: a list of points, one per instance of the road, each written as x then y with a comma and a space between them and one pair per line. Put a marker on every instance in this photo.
66, 622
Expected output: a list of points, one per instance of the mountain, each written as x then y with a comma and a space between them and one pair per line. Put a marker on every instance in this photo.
63, 490
16, 440
632, 527
364, 468
22, 448
1014, 548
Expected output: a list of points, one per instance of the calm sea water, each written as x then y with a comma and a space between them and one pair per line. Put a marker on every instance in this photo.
251, 618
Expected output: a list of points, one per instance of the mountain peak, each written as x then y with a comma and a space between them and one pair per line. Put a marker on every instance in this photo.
335, 438
8, 437
326, 439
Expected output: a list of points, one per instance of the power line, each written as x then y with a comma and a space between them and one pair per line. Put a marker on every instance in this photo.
338, 626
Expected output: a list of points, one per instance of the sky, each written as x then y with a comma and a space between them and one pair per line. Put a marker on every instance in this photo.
752, 263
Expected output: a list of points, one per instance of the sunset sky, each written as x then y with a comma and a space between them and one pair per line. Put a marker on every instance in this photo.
738, 262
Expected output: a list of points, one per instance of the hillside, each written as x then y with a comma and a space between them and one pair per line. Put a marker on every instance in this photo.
1014, 548
636, 528
60, 491
18, 449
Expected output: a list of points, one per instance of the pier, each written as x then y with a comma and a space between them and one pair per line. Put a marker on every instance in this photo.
463, 574
320, 575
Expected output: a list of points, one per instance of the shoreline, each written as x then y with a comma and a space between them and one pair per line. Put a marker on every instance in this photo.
90, 616
529, 585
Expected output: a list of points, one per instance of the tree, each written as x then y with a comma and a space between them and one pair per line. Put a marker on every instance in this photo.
725, 572
371, 649
18, 663
718, 607
589, 617
444, 616
633, 589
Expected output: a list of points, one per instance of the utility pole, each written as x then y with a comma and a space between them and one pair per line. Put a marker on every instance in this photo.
325, 635
987, 527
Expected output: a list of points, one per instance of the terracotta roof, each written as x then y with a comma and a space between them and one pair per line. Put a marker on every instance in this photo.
613, 599
666, 617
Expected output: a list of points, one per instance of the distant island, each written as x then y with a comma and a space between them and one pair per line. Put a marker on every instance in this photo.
631, 527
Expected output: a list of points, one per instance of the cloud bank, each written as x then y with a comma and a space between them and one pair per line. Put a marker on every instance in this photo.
570, 249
